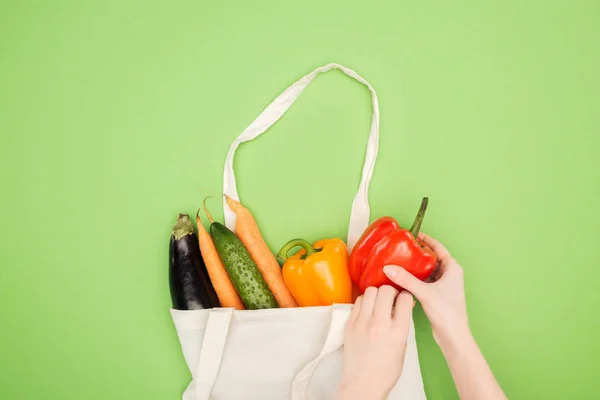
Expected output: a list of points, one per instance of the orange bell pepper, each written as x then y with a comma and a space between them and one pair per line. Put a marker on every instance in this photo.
317, 275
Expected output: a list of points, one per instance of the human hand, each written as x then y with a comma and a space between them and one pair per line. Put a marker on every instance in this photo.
375, 343
442, 295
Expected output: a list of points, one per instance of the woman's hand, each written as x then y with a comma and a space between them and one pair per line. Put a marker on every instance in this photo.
443, 298
375, 343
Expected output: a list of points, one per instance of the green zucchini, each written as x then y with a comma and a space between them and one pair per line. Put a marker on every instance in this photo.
242, 270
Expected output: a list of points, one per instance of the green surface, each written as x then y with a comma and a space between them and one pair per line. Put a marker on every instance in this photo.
117, 115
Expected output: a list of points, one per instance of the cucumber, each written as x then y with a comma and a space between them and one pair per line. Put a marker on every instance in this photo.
242, 270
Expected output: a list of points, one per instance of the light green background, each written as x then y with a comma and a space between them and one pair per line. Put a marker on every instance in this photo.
116, 115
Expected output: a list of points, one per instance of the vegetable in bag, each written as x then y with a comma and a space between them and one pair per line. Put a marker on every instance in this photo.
191, 288
242, 270
317, 275
247, 230
228, 296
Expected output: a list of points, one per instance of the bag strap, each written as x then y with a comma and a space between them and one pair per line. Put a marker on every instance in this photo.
359, 217
211, 353
334, 340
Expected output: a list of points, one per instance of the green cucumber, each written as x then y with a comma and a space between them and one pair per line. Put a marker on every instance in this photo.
242, 270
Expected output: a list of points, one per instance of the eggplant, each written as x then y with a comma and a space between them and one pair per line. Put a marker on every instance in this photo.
191, 288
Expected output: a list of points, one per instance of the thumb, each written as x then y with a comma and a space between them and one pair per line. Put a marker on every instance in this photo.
405, 280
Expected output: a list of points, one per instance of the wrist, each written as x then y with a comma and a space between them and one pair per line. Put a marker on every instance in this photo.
454, 338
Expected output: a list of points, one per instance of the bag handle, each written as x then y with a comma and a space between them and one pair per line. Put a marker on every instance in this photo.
334, 340
211, 352
360, 214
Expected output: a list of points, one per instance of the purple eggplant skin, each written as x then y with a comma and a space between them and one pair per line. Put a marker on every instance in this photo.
191, 288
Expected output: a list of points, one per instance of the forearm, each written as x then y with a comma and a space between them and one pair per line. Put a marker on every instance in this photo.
353, 390
472, 375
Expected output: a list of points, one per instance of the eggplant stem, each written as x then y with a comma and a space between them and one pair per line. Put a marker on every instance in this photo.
183, 226
210, 218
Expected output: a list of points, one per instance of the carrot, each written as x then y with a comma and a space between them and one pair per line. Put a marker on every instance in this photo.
247, 230
228, 297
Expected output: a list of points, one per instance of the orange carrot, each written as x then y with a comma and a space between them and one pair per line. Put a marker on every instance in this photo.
247, 230
228, 297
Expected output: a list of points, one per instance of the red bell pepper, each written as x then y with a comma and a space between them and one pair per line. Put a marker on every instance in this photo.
383, 243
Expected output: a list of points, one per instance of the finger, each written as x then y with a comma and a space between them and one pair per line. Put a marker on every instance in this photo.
403, 308
385, 301
368, 304
355, 311
406, 280
436, 246
437, 273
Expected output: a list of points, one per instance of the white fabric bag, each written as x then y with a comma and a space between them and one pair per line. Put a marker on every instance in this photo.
287, 353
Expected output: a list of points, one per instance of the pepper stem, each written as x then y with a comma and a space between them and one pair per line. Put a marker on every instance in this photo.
283, 253
416, 226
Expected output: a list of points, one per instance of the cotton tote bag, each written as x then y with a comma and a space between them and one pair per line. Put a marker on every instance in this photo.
286, 353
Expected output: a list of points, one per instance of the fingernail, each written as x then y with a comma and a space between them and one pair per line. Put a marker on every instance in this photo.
390, 271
